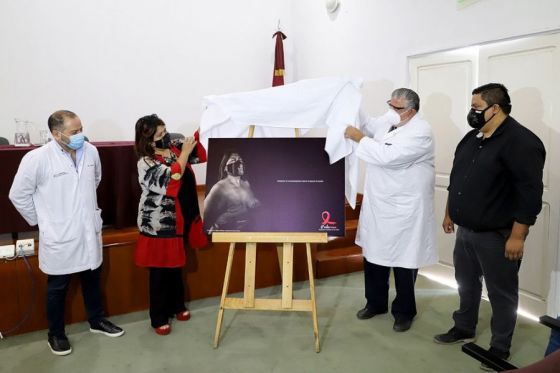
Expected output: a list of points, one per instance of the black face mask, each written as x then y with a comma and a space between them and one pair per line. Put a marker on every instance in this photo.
164, 142
233, 168
475, 118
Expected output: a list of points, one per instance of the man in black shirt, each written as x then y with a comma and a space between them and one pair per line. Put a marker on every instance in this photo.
495, 194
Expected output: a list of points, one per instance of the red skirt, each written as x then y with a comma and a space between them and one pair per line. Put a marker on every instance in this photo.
159, 252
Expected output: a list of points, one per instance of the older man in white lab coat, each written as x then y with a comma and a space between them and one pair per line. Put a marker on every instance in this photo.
55, 188
397, 225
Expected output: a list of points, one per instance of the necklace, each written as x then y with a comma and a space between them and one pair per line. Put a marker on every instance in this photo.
168, 160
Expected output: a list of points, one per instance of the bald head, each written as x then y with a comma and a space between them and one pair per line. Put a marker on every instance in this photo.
56, 120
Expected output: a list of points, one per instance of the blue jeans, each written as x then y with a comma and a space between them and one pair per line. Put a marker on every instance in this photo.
554, 342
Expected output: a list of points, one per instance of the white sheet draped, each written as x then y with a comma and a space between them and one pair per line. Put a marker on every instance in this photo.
331, 103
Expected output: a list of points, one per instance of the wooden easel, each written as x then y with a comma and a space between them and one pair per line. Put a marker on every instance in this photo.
285, 246
249, 302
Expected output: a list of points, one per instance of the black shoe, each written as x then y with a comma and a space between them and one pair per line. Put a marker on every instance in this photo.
504, 355
366, 313
453, 336
402, 324
106, 327
59, 345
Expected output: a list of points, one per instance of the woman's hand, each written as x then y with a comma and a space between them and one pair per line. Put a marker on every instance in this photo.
186, 149
188, 145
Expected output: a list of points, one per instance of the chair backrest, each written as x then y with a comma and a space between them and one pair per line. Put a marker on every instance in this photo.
548, 364
4, 141
487, 358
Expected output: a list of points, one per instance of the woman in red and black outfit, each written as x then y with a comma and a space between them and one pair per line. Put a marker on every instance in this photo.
167, 211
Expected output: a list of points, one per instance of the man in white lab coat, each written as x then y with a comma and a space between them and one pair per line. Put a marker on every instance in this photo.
55, 188
397, 225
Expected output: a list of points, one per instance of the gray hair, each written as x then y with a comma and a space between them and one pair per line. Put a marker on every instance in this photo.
411, 97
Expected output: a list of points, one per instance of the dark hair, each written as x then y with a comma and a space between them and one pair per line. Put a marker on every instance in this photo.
145, 130
222, 173
56, 119
494, 94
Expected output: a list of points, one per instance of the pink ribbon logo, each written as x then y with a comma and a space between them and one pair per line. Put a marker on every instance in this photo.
327, 218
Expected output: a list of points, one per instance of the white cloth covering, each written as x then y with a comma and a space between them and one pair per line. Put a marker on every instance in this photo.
331, 103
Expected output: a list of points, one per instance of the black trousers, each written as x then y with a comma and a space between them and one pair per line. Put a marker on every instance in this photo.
477, 255
57, 287
377, 289
167, 294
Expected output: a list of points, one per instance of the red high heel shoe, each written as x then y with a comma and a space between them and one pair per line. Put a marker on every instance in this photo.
183, 316
163, 330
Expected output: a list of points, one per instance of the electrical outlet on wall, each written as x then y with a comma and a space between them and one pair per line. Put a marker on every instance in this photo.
7, 251
25, 246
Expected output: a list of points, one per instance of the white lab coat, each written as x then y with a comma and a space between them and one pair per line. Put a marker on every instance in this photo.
397, 223
48, 191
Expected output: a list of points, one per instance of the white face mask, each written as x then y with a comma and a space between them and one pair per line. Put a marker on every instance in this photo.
392, 117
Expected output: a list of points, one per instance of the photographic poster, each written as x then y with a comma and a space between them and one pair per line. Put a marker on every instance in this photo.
273, 185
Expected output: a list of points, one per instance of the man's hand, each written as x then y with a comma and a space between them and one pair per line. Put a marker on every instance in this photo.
353, 133
514, 248
448, 225
516, 241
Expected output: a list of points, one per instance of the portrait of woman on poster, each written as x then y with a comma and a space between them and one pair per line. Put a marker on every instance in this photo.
229, 203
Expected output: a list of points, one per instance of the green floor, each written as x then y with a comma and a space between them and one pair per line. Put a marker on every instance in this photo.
277, 341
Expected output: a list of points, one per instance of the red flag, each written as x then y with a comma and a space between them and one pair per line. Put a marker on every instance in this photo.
278, 74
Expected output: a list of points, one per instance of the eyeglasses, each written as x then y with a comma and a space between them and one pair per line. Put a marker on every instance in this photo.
394, 107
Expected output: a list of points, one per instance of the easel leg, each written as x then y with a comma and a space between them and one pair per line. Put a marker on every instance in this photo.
287, 275
224, 294
250, 265
279, 249
313, 304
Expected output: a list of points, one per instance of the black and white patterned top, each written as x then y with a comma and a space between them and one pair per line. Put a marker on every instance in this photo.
160, 186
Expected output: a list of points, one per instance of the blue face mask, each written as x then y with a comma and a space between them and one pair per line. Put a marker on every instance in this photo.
76, 141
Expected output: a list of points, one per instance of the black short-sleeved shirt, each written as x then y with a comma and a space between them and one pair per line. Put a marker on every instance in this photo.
498, 180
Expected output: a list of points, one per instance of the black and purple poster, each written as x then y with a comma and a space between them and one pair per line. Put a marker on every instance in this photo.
273, 185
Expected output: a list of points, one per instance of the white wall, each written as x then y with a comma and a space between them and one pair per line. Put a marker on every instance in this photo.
373, 39
114, 61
